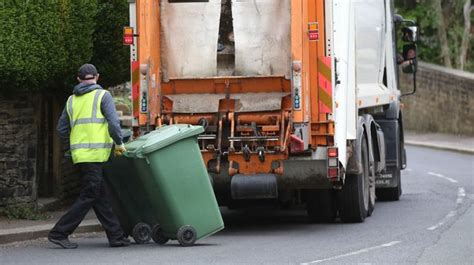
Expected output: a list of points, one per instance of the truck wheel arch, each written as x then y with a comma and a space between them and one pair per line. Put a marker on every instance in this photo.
403, 160
354, 163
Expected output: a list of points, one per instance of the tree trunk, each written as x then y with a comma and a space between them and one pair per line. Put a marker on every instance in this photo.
410, 3
467, 34
445, 52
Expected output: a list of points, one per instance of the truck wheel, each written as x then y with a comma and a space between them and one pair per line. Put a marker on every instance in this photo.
321, 205
354, 197
186, 235
141, 233
372, 194
391, 194
158, 236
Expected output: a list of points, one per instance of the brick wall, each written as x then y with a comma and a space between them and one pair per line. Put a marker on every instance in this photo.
18, 149
443, 102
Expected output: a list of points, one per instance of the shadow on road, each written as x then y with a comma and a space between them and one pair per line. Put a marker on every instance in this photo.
266, 219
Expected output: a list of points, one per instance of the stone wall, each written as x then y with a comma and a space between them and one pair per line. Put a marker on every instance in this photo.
70, 180
443, 103
18, 150
57, 176
32, 162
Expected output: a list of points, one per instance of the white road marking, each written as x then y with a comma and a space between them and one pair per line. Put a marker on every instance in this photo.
445, 219
461, 195
408, 169
459, 200
443, 177
364, 250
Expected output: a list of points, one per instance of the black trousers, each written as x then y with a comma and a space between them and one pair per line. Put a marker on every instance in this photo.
93, 195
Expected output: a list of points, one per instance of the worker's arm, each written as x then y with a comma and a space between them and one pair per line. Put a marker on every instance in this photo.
107, 106
64, 128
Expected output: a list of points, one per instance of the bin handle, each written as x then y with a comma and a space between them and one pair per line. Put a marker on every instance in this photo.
140, 155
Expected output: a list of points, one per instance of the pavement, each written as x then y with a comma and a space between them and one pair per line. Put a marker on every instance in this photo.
457, 143
12, 230
21, 230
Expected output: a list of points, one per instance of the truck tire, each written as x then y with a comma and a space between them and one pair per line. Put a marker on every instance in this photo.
321, 205
372, 194
391, 194
354, 196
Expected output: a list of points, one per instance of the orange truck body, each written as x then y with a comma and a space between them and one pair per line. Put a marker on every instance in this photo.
316, 103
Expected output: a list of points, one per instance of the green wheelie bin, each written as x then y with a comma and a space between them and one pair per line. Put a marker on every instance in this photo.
128, 200
177, 185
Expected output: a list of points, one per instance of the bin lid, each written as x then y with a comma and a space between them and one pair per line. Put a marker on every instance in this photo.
134, 146
168, 135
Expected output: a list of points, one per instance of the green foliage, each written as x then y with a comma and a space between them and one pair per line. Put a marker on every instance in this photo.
424, 13
44, 42
27, 212
428, 46
110, 56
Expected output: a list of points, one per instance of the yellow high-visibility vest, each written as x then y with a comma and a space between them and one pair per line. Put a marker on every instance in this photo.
90, 140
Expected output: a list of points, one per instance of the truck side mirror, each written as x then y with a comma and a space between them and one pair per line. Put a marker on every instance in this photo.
410, 34
409, 63
407, 60
414, 33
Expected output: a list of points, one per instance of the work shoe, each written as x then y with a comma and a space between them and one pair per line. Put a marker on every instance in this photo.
121, 242
64, 243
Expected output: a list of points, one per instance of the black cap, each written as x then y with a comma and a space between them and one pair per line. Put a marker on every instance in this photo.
87, 72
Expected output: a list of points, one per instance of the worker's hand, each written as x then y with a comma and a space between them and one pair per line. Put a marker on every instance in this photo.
119, 150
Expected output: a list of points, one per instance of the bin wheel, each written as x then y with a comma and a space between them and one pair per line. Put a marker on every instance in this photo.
158, 236
186, 235
141, 233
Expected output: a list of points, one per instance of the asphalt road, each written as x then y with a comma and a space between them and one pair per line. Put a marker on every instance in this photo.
433, 223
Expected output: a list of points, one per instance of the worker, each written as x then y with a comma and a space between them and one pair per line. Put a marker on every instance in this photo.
407, 57
89, 125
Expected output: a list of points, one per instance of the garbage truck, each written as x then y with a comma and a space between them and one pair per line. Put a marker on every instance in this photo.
300, 99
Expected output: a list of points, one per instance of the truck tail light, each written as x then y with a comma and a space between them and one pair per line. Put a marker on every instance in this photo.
128, 36
313, 31
332, 152
333, 164
296, 67
296, 85
333, 174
